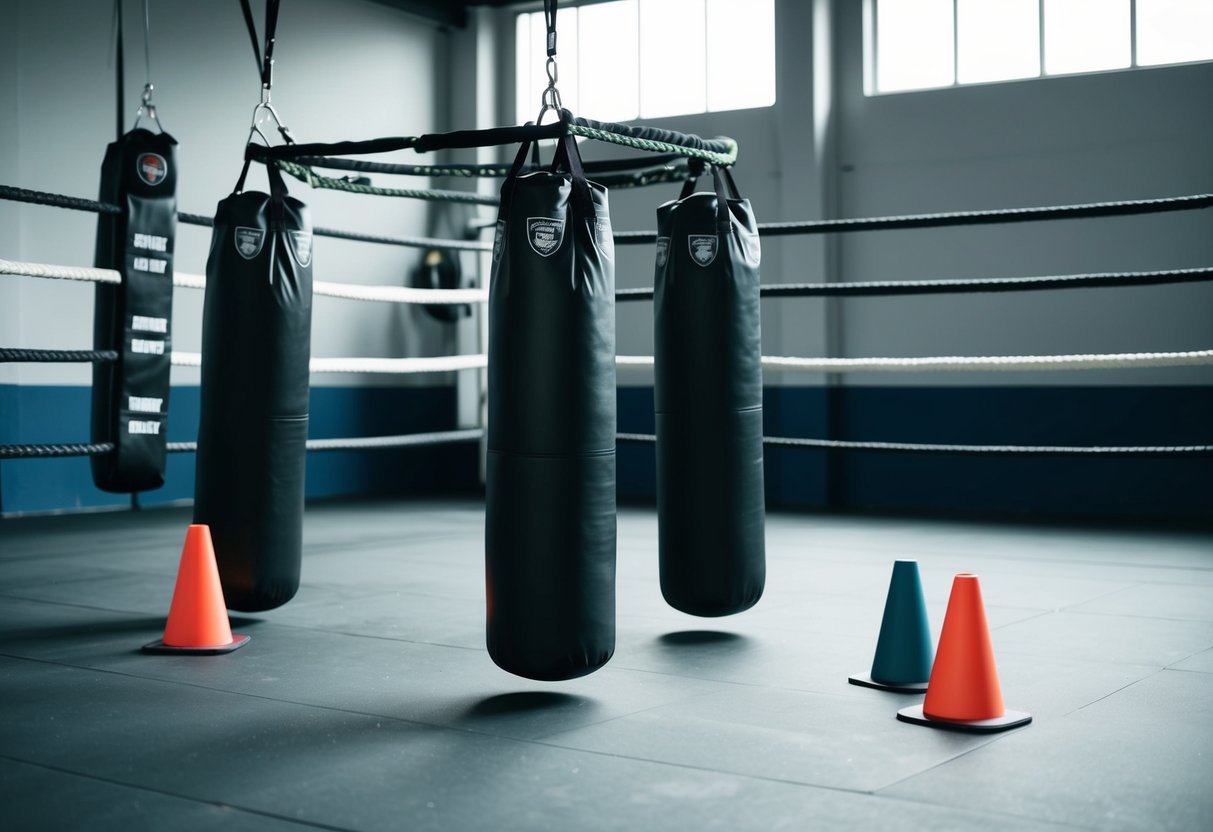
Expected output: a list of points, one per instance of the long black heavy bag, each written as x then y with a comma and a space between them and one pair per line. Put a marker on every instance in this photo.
550, 502
130, 396
708, 402
256, 344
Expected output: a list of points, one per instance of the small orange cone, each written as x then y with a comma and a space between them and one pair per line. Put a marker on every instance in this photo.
963, 693
197, 617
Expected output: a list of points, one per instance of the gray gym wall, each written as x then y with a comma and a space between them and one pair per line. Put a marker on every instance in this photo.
353, 69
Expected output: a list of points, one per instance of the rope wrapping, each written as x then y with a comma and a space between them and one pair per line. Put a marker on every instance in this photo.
383, 294
966, 362
397, 366
315, 180
887, 288
56, 200
88, 275
929, 448
24, 356
361, 443
953, 218
48, 451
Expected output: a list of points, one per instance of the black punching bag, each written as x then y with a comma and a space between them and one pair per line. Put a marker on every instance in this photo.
256, 345
550, 502
708, 380
130, 396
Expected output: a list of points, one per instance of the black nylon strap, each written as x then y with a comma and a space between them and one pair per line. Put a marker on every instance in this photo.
549, 17
252, 31
265, 64
119, 68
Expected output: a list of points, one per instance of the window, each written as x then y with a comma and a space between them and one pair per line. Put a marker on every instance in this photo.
650, 58
923, 44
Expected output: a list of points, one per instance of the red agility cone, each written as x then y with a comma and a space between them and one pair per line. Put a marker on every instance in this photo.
197, 618
963, 693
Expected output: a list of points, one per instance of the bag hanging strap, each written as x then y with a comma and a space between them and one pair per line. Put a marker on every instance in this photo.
278, 194
695, 169
567, 158
725, 189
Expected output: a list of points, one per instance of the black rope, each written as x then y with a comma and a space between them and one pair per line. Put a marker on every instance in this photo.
57, 356
1093, 209
46, 451
13, 194
360, 443
937, 287
1005, 450
336, 233
447, 437
636, 164
485, 138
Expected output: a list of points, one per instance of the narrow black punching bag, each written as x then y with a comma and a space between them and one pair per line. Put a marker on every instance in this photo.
550, 503
256, 344
708, 378
130, 396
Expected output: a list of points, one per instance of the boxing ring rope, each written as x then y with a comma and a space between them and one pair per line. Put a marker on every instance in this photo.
953, 218
811, 365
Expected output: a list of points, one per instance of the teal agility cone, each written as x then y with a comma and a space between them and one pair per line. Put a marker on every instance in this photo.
903, 651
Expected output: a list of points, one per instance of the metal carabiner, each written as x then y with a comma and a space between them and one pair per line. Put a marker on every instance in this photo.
255, 128
147, 108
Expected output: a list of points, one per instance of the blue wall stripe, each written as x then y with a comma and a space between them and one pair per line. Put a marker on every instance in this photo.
1143, 488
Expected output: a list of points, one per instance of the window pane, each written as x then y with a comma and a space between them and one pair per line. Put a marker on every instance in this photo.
741, 28
1172, 31
1086, 35
524, 86
530, 63
672, 61
610, 62
997, 40
914, 44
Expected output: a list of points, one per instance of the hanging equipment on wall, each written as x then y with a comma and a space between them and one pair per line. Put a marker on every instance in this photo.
133, 318
708, 401
550, 499
256, 345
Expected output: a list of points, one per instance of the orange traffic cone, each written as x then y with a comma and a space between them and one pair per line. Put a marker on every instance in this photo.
197, 617
963, 693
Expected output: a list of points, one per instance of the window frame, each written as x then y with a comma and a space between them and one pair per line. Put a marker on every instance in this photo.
517, 12
871, 48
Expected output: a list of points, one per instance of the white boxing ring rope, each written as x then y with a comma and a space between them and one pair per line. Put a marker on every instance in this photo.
455, 363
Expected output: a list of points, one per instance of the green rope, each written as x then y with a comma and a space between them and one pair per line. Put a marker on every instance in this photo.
723, 159
306, 174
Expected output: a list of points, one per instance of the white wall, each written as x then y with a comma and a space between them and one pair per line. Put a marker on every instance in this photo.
345, 70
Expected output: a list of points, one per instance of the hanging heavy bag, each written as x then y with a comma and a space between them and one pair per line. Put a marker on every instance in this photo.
708, 394
550, 501
130, 396
256, 345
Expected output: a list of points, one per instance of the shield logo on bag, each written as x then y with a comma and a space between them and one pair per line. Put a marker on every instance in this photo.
499, 241
703, 248
301, 246
545, 234
248, 241
151, 168
663, 251
603, 238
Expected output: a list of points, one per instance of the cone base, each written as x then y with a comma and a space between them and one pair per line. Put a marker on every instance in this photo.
865, 680
158, 646
1010, 719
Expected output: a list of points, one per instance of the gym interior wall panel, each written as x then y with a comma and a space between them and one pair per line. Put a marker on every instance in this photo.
1108, 136
348, 70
